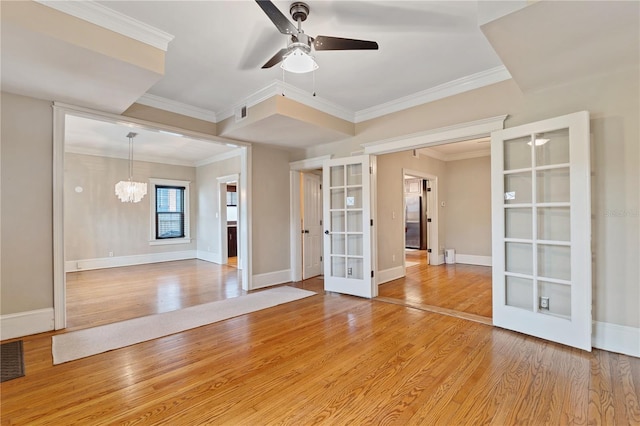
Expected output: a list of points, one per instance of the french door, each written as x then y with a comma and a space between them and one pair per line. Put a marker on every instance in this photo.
541, 213
347, 226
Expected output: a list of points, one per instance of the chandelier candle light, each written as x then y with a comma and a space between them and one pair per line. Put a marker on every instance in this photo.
129, 191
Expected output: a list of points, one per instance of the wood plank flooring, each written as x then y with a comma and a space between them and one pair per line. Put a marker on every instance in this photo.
456, 289
327, 359
104, 296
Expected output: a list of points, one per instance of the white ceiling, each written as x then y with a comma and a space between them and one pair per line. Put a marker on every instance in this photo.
219, 46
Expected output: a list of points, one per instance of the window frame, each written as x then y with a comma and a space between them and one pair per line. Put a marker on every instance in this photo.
153, 224
179, 212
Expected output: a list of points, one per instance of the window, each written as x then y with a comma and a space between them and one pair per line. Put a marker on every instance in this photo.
169, 212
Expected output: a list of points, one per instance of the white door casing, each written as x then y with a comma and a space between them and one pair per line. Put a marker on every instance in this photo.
311, 226
541, 214
347, 221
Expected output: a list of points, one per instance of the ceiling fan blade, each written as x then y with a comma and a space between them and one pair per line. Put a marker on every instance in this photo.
337, 43
279, 20
277, 58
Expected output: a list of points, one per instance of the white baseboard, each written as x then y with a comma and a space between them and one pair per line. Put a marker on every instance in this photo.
616, 338
471, 259
26, 323
440, 260
390, 274
137, 259
271, 278
209, 256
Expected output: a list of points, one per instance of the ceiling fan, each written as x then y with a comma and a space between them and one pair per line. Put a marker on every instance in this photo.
296, 57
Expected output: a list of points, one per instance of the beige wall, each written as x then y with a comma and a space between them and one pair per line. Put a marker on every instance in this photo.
270, 210
26, 254
209, 201
390, 200
96, 222
467, 194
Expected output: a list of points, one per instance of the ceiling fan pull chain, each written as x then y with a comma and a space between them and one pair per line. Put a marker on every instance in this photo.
314, 82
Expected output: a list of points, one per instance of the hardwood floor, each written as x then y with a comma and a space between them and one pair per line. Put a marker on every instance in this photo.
326, 359
456, 289
104, 296
329, 359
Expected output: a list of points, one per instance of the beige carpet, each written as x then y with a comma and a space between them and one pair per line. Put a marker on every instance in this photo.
92, 341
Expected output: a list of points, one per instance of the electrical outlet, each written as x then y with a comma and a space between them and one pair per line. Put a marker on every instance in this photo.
110, 254
349, 271
393, 257
544, 303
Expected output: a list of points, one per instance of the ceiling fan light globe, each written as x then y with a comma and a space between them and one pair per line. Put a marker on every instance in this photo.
298, 61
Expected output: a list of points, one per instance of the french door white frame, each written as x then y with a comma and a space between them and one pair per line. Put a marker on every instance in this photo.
60, 111
572, 329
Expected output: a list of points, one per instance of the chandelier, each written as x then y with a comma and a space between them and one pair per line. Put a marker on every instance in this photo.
129, 191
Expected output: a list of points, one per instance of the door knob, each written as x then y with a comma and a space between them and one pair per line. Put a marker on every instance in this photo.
326, 232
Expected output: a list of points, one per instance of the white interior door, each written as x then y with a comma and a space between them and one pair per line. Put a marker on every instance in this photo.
542, 229
311, 226
347, 223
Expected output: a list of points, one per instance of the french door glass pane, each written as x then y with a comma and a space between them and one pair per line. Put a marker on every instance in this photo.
553, 185
337, 176
354, 245
337, 221
337, 198
559, 298
354, 174
518, 258
519, 292
552, 148
518, 223
554, 262
517, 188
354, 221
554, 223
338, 267
354, 198
337, 244
517, 153
354, 268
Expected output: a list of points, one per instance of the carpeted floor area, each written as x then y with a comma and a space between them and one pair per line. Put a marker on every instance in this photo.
95, 340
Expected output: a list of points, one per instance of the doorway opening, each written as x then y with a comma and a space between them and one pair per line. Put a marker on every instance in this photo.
229, 226
115, 236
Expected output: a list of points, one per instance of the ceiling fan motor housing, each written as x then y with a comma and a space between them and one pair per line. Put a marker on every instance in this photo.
299, 11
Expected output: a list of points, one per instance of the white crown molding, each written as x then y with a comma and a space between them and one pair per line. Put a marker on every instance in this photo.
177, 107
278, 88
454, 87
104, 17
